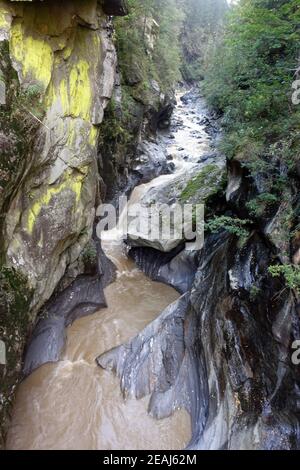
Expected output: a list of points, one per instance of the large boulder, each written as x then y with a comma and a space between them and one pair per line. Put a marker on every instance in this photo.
157, 362
195, 184
150, 161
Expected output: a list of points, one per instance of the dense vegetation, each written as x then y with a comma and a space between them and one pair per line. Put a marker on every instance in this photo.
249, 81
182, 29
157, 20
202, 25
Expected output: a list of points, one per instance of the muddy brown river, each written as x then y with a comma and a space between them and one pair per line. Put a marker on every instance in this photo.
75, 405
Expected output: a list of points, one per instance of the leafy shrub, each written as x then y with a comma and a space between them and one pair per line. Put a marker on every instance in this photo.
258, 205
234, 226
291, 274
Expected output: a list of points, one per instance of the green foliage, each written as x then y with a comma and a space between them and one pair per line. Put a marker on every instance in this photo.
157, 20
258, 205
208, 178
167, 54
15, 297
116, 126
254, 293
234, 226
30, 102
291, 274
202, 24
90, 258
18, 125
89, 254
250, 80
119, 133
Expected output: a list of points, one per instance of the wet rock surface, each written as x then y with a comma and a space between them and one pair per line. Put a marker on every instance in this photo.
176, 268
158, 362
150, 162
84, 296
228, 352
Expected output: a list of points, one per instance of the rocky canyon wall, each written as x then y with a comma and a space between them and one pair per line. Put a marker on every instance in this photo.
57, 74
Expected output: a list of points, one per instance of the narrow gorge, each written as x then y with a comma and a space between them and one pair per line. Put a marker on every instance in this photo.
125, 340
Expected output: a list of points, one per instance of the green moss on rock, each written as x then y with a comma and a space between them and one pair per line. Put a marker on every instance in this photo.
15, 297
203, 185
19, 121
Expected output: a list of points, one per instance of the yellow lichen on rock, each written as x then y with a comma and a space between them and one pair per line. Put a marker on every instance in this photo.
71, 133
64, 96
80, 90
93, 136
34, 56
76, 94
66, 52
3, 19
72, 96
4, 16
72, 181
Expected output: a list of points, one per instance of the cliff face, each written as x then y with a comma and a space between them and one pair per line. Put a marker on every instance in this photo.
142, 102
65, 55
57, 74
